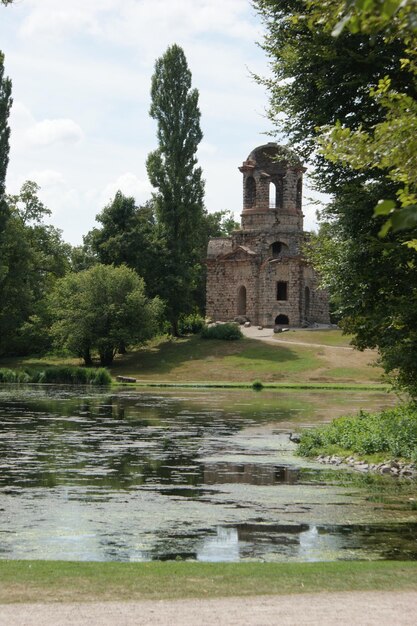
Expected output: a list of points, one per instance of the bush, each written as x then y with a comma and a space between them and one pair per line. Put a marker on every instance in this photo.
257, 385
13, 376
59, 375
392, 432
228, 332
191, 324
101, 376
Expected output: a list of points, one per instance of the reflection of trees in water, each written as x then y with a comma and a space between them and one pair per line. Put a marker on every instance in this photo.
72, 441
249, 473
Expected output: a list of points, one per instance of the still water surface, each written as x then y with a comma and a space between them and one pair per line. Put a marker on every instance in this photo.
208, 475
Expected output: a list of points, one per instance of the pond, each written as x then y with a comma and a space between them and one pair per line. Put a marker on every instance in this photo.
209, 475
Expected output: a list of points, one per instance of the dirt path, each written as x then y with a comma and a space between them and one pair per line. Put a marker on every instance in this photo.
334, 356
325, 609
267, 334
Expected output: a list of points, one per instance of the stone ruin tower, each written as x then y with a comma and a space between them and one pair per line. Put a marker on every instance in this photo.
259, 272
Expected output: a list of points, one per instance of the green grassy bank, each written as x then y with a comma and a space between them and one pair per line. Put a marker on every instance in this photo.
194, 360
61, 581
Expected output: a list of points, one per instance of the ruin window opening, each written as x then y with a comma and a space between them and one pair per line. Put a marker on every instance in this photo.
282, 290
276, 248
250, 191
273, 193
282, 320
241, 300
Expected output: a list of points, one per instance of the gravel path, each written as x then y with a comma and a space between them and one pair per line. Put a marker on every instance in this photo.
325, 609
268, 335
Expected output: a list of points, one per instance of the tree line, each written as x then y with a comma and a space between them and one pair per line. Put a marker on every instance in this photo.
139, 271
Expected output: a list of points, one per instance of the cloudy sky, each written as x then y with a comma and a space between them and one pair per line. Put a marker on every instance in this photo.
81, 73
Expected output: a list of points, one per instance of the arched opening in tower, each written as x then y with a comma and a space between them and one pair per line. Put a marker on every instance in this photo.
250, 191
273, 194
282, 320
241, 301
277, 249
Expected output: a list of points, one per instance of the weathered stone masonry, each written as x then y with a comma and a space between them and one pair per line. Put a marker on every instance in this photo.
259, 271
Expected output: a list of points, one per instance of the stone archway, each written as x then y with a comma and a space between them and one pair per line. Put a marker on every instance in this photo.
282, 320
241, 300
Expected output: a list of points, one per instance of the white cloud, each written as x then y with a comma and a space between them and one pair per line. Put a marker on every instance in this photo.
135, 22
49, 132
206, 148
130, 185
47, 178
54, 19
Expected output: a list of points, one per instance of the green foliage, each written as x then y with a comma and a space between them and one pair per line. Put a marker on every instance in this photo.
229, 332
219, 224
59, 375
191, 324
390, 144
172, 170
32, 257
101, 309
392, 432
128, 235
14, 376
257, 385
5, 105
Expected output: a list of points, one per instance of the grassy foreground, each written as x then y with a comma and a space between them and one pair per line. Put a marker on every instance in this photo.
62, 581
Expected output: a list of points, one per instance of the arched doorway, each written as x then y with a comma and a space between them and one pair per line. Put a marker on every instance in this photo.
282, 320
241, 301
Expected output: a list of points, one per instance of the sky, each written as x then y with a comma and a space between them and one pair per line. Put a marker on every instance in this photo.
81, 73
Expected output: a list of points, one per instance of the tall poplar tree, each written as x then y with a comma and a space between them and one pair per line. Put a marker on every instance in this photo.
5, 104
173, 171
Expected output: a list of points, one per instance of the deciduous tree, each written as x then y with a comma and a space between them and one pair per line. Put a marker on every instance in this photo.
100, 309
33, 257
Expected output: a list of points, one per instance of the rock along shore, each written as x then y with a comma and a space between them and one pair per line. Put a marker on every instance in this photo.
391, 467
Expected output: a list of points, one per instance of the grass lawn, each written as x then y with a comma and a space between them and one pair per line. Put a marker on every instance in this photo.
328, 337
63, 581
191, 359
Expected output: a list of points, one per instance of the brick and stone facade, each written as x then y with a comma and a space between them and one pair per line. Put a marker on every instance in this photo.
259, 272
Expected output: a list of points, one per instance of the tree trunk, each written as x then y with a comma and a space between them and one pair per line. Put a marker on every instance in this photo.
87, 357
106, 357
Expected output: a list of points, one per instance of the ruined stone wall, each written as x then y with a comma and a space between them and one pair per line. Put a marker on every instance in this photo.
318, 309
272, 220
284, 270
224, 279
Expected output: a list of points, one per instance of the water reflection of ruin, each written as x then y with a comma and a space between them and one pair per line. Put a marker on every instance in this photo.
249, 473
